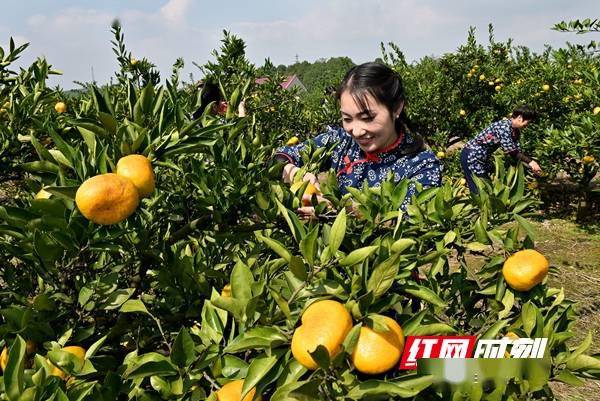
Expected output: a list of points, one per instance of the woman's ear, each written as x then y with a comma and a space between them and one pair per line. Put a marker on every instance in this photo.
398, 110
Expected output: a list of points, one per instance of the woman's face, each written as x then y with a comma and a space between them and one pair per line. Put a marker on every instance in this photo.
372, 128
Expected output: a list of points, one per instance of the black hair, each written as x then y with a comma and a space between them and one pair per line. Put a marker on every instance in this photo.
385, 85
526, 112
210, 93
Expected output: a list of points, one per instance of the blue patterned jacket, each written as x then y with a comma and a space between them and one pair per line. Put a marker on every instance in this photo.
354, 166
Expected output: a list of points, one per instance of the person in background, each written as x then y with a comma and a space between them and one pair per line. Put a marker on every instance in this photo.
374, 139
476, 156
211, 93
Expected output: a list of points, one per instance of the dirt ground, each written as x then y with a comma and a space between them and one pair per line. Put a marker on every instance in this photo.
575, 251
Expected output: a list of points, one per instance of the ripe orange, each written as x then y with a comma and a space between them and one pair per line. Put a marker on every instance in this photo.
588, 159
308, 191
440, 154
324, 323
377, 353
462, 113
525, 269
60, 107
546, 87
232, 391
30, 348
138, 169
226, 291
310, 188
596, 110
292, 141
4, 358
43, 194
107, 198
76, 350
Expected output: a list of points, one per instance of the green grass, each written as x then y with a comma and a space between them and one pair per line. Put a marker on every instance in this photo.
575, 252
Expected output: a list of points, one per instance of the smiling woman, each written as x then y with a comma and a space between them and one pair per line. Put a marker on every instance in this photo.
374, 140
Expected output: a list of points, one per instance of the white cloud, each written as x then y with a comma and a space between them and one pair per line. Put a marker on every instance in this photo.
353, 27
76, 38
70, 19
175, 11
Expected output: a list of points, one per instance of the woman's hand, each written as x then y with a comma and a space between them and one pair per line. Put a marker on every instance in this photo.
290, 170
307, 211
288, 173
242, 108
535, 167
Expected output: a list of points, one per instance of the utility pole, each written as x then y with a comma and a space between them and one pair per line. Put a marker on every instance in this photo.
297, 58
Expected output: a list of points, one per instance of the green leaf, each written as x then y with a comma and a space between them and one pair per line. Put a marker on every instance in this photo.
433, 329
321, 357
508, 301
406, 387
413, 323
425, 294
117, 298
583, 362
296, 228
241, 282
282, 303
298, 268
297, 391
13, 374
66, 192
183, 353
258, 368
476, 246
276, 246
358, 255
66, 361
480, 232
91, 351
308, 245
526, 226
528, 317
383, 276
338, 231
493, 331
149, 364
133, 305
567, 377
256, 338
41, 166
584, 346
352, 338
89, 138
402, 244
109, 122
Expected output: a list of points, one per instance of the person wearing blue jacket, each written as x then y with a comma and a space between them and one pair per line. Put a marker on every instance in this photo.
374, 139
476, 156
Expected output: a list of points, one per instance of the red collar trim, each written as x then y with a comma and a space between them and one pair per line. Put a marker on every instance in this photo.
370, 156
391, 147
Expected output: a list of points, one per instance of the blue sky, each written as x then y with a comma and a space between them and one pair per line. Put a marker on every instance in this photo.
75, 35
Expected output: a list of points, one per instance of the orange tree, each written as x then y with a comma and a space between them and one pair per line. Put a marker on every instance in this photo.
206, 283
26, 104
460, 93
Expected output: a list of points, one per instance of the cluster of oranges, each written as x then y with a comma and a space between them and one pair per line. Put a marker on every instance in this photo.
77, 351
112, 197
328, 322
